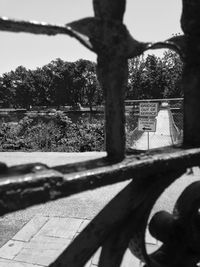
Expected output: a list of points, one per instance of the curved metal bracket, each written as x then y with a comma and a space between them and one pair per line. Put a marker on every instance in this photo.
180, 231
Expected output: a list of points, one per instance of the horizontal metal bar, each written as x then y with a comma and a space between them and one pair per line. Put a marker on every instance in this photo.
20, 191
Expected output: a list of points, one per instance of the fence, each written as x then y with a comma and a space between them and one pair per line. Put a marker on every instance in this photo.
125, 218
166, 126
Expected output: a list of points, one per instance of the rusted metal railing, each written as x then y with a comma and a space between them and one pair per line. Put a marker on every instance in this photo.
31, 184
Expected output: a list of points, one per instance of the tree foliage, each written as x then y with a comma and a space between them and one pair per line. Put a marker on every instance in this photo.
62, 83
58, 83
154, 77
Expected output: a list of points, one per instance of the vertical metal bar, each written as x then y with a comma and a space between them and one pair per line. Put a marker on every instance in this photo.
113, 76
190, 23
112, 70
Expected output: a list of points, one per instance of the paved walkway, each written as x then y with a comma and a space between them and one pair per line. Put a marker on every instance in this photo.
166, 133
43, 238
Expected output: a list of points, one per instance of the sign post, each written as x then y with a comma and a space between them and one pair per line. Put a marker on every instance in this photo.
147, 122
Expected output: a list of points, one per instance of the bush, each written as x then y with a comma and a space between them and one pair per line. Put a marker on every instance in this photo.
52, 133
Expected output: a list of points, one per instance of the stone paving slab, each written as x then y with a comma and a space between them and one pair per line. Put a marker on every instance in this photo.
150, 239
10, 263
11, 249
61, 227
44, 238
40, 256
31, 228
95, 258
130, 261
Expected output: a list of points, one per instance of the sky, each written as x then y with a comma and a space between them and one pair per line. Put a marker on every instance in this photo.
146, 20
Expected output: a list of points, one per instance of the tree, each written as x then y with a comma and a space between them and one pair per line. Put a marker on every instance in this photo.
136, 67
7, 90
173, 72
24, 89
41, 81
91, 91
155, 77
57, 90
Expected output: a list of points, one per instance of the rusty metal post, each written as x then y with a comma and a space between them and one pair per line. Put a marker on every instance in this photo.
112, 69
190, 23
112, 73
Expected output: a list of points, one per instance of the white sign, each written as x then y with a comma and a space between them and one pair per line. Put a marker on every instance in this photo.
148, 109
147, 124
